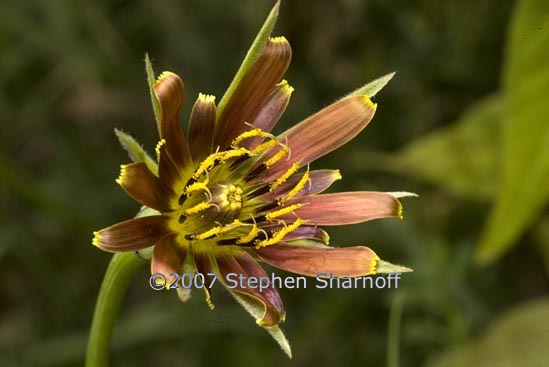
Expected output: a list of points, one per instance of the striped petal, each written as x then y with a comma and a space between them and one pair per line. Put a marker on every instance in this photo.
322, 133
311, 261
201, 127
252, 91
168, 171
271, 111
147, 189
169, 91
167, 259
232, 267
296, 186
347, 208
133, 234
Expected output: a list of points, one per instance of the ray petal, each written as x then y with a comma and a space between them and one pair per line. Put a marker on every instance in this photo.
133, 234
201, 127
251, 93
147, 189
237, 271
312, 261
167, 259
321, 133
170, 92
347, 208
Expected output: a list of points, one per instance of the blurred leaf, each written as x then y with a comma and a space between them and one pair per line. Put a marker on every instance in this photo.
541, 237
516, 339
461, 157
525, 140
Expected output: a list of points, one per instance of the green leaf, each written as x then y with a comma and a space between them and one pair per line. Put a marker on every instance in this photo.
151, 80
516, 339
135, 150
372, 88
251, 56
461, 158
525, 142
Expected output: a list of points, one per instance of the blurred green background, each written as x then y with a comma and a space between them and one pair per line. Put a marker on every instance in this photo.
463, 124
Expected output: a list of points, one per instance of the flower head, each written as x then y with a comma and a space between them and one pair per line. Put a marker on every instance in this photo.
231, 192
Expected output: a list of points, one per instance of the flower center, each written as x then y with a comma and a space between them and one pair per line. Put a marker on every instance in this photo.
226, 202
219, 205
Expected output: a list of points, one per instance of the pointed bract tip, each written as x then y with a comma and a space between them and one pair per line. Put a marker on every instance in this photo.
403, 194
384, 267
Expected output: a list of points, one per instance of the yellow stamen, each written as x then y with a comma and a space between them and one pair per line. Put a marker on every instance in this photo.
250, 236
219, 230
197, 208
279, 235
209, 298
205, 165
234, 154
280, 212
267, 144
300, 184
278, 156
197, 186
279, 181
250, 134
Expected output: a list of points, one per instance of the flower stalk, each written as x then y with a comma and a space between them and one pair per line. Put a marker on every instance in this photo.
121, 270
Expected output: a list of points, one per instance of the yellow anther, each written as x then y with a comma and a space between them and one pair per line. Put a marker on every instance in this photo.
267, 144
300, 184
197, 208
279, 181
209, 298
206, 164
280, 212
197, 186
250, 236
279, 235
233, 154
250, 134
278, 156
218, 230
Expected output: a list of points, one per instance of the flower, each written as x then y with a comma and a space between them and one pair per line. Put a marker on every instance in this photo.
232, 193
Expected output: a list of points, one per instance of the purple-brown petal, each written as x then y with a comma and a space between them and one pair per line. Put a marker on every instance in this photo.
322, 133
168, 171
170, 92
271, 111
319, 181
147, 189
133, 234
252, 91
244, 265
305, 232
347, 208
311, 261
167, 259
205, 267
201, 127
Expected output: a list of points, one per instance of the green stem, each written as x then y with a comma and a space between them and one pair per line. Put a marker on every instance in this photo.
394, 330
121, 270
